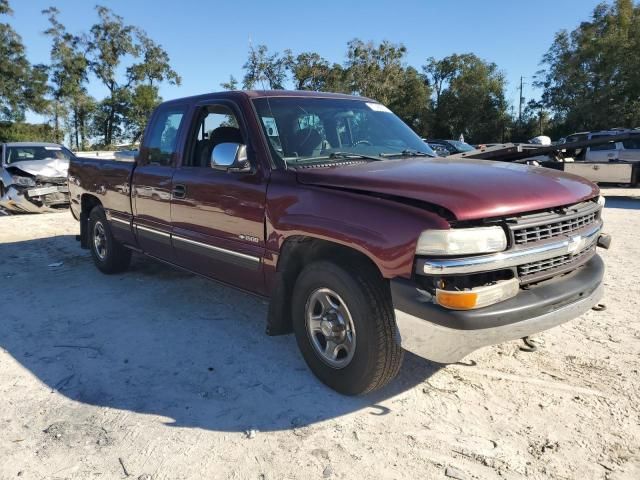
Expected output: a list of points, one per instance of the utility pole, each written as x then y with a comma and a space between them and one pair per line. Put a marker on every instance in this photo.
520, 102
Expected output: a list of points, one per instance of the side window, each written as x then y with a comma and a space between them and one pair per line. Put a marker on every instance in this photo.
217, 124
603, 147
632, 144
164, 136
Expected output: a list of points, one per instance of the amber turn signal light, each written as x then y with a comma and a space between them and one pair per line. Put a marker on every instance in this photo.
479, 296
457, 300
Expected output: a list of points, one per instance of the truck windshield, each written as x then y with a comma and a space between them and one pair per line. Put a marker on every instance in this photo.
16, 154
333, 130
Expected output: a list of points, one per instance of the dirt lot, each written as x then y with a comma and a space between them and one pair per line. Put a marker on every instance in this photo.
159, 374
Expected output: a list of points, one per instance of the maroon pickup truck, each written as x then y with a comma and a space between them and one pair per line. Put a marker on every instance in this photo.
338, 212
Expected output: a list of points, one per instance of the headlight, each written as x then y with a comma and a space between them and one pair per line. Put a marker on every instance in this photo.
23, 181
462, 241
601, 201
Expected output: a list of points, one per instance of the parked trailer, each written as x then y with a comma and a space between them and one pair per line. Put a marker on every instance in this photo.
568, 157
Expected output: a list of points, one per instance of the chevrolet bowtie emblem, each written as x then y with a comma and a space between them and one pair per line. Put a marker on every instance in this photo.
575, 244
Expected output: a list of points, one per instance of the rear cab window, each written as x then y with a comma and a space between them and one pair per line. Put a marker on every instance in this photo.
163, 136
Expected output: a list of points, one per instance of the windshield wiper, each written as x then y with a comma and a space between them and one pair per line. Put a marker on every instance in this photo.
337, 156
407, 153
352, 155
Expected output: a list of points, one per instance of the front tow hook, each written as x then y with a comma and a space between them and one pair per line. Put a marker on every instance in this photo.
604, 241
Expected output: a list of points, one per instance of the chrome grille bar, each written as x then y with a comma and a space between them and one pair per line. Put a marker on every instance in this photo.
511, 258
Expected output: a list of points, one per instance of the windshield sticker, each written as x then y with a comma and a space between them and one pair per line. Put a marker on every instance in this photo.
377, 107
53, 148
270, 124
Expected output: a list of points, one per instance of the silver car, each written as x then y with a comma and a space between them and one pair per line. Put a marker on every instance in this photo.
33, 177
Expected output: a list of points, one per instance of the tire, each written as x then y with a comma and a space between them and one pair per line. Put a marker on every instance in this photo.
363, 327
108, 254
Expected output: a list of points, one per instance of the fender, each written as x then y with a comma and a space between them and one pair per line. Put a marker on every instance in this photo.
384, 230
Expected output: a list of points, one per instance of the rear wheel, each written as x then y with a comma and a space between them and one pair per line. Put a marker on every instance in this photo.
108, 254
345, 328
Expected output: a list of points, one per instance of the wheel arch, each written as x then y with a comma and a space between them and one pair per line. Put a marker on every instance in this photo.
296, 252
87, 203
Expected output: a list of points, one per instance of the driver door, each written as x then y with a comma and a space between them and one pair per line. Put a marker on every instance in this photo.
217, 215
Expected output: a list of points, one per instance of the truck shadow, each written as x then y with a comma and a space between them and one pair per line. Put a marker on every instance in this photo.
163, 342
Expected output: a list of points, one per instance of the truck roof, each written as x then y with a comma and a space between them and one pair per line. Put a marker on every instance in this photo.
267, 93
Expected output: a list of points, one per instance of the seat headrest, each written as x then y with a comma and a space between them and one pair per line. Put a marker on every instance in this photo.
307, 141
226, 134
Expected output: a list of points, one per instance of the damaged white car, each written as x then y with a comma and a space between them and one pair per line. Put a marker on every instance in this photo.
33, 177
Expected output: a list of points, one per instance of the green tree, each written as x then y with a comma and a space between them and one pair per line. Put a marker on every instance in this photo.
375, 71
144, 98
111, 44
144, 78
22, 86
264, 70
469, 98
155, 66
410, 101
69, 75
26, 132
591, 78
310, 71
231, 84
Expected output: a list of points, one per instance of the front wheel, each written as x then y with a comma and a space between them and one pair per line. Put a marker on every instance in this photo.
108, 254
345, 328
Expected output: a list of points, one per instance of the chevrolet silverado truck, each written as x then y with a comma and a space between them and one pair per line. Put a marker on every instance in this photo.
334, 209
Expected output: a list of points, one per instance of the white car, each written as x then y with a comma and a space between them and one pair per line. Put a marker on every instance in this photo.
33, 177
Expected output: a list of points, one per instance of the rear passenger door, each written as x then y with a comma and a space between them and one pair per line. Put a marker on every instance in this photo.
152, 181
218, 215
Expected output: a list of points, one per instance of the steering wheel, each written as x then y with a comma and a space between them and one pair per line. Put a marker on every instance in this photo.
362, 142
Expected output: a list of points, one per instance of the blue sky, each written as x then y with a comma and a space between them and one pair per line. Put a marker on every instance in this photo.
208, 39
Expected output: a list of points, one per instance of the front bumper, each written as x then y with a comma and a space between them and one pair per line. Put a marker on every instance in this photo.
35, 199
446, 336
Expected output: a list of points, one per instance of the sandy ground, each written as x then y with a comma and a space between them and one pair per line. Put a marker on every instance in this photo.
159, 374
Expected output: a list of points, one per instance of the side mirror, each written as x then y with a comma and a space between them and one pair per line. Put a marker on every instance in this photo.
231, 157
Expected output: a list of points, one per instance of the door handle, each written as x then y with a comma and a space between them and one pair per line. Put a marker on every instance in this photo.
179, 191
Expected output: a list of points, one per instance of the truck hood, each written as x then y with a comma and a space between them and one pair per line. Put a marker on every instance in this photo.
53, 167
469, 189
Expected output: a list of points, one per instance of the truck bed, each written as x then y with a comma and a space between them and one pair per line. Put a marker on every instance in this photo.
109, 180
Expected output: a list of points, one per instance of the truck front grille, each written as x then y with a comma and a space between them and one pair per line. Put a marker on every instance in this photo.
534, 271
547, 225
525, 236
